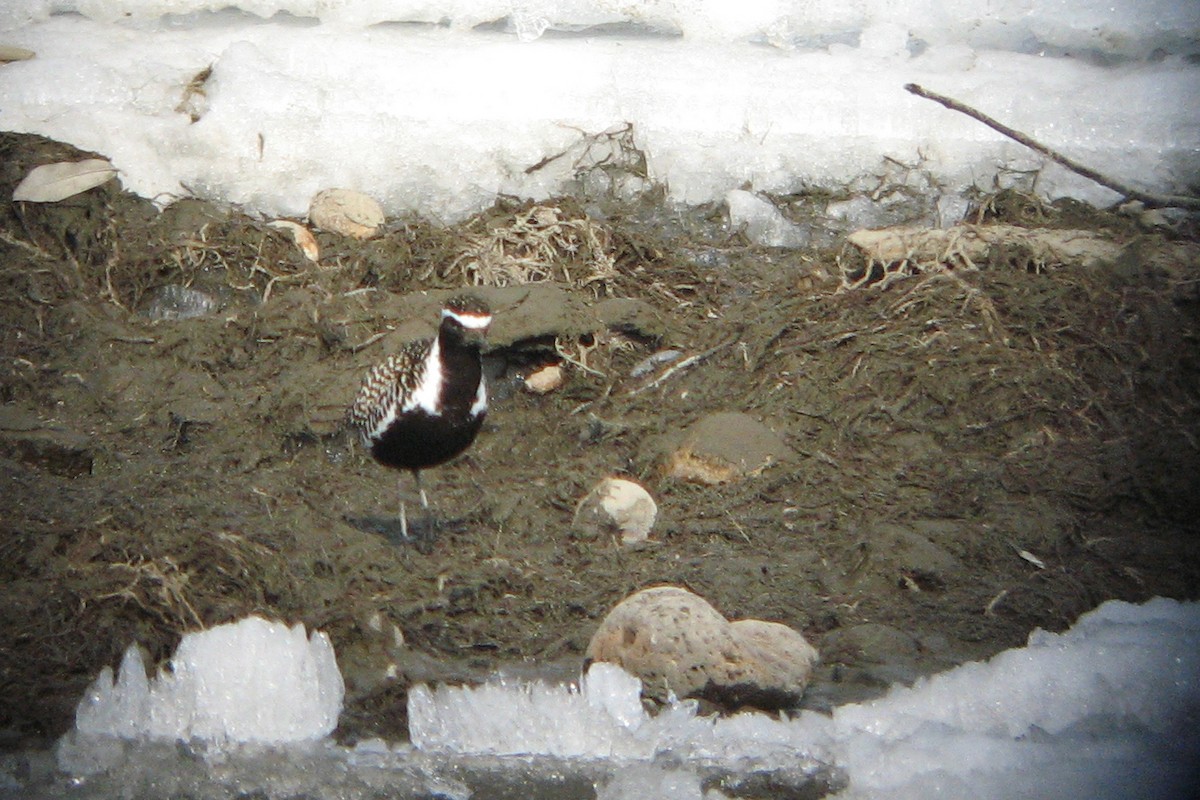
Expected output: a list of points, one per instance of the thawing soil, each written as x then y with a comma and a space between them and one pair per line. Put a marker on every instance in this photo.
975, 451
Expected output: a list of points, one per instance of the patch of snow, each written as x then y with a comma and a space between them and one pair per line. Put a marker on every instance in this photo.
476, 99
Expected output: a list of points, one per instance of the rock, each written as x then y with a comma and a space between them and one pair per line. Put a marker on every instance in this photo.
545, 379
861, 662
782, 658
666, 636
10, 52
911, 558
677, 643
347, 212
617, 505
724, 447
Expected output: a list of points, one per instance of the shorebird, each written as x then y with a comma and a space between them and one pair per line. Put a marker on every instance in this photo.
424, 405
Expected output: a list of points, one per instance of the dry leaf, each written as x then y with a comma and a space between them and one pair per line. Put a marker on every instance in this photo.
302, 236
1032, 559
50, 183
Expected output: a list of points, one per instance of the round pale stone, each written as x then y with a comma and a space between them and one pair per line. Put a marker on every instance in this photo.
782, 658
620, 505
666, 636
347, 212
545, 380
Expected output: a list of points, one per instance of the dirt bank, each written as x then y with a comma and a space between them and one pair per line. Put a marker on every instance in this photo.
974, 452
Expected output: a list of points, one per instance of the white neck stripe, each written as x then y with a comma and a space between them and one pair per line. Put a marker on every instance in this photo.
473, 321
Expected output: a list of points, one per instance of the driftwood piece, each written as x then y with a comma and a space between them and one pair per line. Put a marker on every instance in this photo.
1151, 200
894, 253
967, 246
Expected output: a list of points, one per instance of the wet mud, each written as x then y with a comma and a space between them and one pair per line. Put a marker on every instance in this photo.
971, 453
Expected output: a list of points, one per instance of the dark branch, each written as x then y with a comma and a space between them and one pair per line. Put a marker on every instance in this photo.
1151, 200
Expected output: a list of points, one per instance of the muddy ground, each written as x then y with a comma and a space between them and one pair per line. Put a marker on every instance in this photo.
975, 453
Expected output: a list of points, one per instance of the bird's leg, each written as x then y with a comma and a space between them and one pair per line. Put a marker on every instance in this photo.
430, 526
421, 490
403, 512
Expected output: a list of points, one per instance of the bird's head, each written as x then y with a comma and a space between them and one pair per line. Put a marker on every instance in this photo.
466, 317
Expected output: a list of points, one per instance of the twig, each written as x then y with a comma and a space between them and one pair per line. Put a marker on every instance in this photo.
370, 340
994, 603
32, 248
1151, 200
581, 361
682, 365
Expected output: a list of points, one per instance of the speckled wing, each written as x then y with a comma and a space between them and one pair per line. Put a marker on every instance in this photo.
387, 388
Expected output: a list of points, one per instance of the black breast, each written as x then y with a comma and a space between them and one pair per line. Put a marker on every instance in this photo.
418, 439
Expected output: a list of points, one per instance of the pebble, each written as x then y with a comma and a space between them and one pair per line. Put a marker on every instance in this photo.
619, 505
347, 212
545, 380
10, 52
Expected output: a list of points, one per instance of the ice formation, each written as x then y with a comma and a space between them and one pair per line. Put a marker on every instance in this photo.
600, 718
1108, 709
462, 102
249, 681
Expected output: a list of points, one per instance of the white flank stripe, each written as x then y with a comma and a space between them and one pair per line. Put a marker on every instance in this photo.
427, 394
480, 404
473, 321
384, 422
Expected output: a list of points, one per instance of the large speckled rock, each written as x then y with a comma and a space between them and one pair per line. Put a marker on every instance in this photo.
677, 643
725, 447
781, 662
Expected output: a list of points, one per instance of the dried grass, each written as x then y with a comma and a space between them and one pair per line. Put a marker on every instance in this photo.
541, 243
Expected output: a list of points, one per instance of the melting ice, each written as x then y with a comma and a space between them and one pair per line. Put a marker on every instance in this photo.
1108, 709
251, 681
